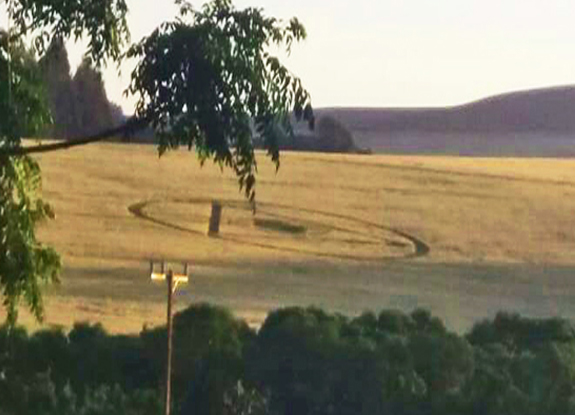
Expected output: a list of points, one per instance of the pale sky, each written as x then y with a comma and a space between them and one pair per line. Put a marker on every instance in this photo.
405, 53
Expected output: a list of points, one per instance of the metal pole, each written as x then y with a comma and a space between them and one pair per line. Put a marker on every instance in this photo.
169, 278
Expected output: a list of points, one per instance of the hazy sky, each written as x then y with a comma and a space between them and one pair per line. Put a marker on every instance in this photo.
406, 52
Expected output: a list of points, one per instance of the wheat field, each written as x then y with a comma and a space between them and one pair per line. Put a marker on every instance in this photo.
463, 237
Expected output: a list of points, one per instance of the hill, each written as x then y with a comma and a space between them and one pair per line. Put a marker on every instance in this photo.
533, 123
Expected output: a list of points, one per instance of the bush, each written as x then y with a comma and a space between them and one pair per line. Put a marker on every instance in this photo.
333, 136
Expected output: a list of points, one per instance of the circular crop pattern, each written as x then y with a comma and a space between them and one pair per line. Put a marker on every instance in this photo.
285, 228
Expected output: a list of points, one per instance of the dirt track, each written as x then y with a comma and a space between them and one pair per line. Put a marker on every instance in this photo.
419, 248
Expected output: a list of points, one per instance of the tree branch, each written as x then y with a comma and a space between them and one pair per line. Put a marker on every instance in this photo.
130, 127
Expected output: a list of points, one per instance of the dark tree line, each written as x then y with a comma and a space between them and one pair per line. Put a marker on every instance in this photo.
301, 361
79, 104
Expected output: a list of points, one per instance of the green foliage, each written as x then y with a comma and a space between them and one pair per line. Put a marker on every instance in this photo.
40, 396
203, 328
84, 372
206, 79
25, 264
523, 366
103, 359
216, 388
103, 22
106, 400
313, 362
22, 96
394, 322
301, 361
445, 362
241, 400
426, 323
518, 333
204, 337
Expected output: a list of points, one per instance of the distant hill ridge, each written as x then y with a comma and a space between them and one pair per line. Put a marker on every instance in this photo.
546, 110
533, 123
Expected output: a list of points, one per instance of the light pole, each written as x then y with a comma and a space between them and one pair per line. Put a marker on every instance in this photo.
173, 280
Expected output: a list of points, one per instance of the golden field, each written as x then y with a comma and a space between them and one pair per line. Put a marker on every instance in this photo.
464, 237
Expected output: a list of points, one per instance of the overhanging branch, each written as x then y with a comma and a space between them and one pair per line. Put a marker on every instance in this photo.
125, 130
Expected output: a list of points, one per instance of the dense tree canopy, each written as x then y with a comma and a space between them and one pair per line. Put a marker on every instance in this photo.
301, 361
206, 80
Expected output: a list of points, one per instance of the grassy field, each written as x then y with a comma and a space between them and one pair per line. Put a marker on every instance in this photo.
463, 237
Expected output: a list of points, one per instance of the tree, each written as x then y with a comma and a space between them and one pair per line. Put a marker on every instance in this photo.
203, 80
56, 74
334, 136
78, 106
208, 340
93, 109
